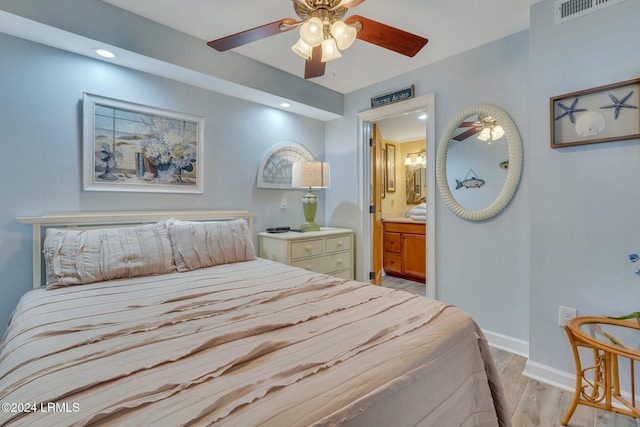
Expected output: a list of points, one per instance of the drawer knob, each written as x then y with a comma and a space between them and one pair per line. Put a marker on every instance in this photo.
308, 248
308, 267
340, 244
339, 260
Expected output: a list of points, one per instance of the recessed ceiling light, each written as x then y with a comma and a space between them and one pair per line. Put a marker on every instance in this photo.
105, 53
423, 116
285, 105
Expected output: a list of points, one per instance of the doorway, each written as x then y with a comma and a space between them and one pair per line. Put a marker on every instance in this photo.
392, 119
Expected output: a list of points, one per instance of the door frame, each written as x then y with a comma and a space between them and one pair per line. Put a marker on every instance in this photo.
364, 224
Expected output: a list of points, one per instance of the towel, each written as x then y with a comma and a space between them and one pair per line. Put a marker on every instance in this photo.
421, 209
419, 217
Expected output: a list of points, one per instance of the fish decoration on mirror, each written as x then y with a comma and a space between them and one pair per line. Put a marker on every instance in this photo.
470, 180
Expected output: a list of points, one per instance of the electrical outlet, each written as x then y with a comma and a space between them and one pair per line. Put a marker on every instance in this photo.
283, 202
565, 314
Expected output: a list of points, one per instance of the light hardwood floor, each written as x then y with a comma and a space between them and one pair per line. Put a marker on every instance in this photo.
531, 402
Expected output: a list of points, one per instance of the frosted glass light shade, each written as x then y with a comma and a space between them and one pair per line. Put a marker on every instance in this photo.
330, 50
497, 132
419, 160
344, 34
302, 49
407, 161
311, 174
312, 32
485, 134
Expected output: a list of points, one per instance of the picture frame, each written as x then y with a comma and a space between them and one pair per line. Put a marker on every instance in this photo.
601, 114
390, 168
275, 169
134, 147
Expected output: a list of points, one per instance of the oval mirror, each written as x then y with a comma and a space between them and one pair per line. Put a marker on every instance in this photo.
479, 162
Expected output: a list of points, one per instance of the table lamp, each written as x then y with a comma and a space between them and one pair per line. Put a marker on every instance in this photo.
310, 175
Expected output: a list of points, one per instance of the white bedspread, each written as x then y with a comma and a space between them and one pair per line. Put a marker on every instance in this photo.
245, 344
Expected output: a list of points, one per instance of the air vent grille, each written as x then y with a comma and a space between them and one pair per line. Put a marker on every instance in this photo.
569, 9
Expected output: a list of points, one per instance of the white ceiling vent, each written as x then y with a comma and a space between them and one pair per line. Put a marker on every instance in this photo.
569, 9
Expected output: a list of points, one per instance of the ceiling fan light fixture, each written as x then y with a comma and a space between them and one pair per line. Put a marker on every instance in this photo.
302, 49
485, 134
330, 50
312, 32
344, 34
497, 132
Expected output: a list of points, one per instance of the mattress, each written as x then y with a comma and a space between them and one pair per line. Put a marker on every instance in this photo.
244, 344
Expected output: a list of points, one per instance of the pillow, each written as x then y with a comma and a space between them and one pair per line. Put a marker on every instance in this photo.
205, 244
76, 257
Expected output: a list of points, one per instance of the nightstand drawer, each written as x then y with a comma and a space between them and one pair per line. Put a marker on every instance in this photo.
306, 248
337, 244
326, 264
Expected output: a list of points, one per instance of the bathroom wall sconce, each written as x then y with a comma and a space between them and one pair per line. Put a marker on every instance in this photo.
416, 160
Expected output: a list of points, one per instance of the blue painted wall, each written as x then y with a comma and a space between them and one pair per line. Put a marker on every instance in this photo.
41, 120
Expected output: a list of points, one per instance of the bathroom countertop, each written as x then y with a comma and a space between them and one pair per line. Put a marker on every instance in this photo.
402, 219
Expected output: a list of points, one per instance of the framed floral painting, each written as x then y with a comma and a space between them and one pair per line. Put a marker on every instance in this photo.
133, 147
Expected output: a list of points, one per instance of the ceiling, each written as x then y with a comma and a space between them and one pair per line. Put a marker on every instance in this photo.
405, 127
451, 27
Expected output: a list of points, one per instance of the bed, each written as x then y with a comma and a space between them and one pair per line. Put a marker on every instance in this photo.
225, 338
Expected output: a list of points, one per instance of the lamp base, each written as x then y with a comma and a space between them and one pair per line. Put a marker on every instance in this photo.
309, 206
310, 226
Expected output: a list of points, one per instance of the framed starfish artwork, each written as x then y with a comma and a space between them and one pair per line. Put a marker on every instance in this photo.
601, 114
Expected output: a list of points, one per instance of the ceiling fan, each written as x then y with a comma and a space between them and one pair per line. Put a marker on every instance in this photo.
323, 33
489, 129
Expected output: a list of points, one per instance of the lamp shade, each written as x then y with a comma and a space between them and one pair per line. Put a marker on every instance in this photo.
485, 134
312, 32
497, 132
344, 34
311, 174
302, 49
330, 50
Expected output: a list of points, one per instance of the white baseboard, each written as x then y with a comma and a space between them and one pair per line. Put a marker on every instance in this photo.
537, 371
503, 342
552, 376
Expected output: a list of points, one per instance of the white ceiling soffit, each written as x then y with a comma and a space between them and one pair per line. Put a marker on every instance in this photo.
451, 27
28, 29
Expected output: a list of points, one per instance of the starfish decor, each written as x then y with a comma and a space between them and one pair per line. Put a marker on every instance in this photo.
570, 111
618, 104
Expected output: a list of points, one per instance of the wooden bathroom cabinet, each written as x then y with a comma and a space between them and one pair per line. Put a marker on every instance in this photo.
405, 249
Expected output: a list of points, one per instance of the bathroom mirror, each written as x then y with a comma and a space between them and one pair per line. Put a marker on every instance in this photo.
479, 162
416, 184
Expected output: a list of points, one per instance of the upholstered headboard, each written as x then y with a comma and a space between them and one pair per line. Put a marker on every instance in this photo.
88, 220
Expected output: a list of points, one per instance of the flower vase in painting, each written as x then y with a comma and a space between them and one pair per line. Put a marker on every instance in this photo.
168, 149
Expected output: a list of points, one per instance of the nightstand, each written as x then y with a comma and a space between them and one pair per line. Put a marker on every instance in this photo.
329, 250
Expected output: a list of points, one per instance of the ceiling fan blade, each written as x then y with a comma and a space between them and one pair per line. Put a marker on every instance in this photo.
466, 134
388, 37
314, 67
254, 34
